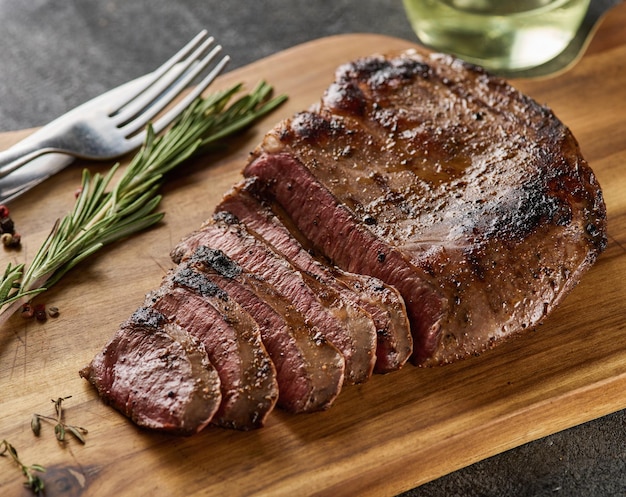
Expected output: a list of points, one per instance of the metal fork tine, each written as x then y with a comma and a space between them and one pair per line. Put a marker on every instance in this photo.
164, 121
156, 91
173, 113
166, 97
158, 73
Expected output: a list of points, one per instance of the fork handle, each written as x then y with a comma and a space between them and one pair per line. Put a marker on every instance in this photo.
30, 175
18, 155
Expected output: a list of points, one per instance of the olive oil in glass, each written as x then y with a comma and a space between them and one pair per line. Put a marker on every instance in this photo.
498, 34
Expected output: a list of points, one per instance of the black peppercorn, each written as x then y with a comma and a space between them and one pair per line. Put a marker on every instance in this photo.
369, 220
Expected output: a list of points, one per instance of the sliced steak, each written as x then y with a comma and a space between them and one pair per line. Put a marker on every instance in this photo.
339, 322
156, 374
382, 302
310, 370
394, 339
470, 198
232, 341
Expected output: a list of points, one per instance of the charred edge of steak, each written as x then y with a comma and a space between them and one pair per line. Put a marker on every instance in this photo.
310, 370
145, 316
157, 375
216, 260
347, 96
199, 283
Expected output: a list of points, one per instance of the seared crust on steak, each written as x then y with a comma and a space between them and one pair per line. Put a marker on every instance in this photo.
156, 374
445, 182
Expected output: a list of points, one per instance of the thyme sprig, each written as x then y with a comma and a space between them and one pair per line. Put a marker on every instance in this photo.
33, 481
101, 215
60, 426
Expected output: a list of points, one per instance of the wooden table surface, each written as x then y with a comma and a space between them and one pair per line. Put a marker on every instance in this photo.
388, 435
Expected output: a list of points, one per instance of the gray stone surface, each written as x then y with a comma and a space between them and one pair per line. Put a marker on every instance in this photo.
56, 54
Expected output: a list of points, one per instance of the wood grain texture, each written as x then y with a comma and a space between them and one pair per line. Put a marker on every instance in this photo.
391, 434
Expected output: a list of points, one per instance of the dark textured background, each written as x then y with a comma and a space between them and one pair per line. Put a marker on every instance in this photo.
56, 54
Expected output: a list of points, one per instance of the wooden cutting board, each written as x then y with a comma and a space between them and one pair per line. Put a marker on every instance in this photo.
391, 434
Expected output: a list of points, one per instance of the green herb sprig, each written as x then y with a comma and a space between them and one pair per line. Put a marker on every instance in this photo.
60, 426
101, 215
33, 480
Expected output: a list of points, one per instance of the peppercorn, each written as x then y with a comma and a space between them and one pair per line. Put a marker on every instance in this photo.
27, 311
369, 220
11, 240
7, 239
7, 225
4, 211
53, 311
40, 312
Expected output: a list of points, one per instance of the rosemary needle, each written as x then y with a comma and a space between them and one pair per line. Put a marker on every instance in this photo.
101, 215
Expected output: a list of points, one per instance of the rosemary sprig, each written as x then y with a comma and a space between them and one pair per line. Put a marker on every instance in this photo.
10, 285
33, 481
101, 216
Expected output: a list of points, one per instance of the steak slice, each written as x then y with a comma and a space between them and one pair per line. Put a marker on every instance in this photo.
394, 342
232, 341
310, 370
382, 302
470, 198
339, 322
157, 375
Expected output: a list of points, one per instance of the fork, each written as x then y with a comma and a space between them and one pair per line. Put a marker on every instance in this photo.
105, 128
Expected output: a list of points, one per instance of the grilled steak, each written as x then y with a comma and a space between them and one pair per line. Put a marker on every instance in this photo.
310, 370
446, 183
344, 325
157, 375
382, 302
232, 341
